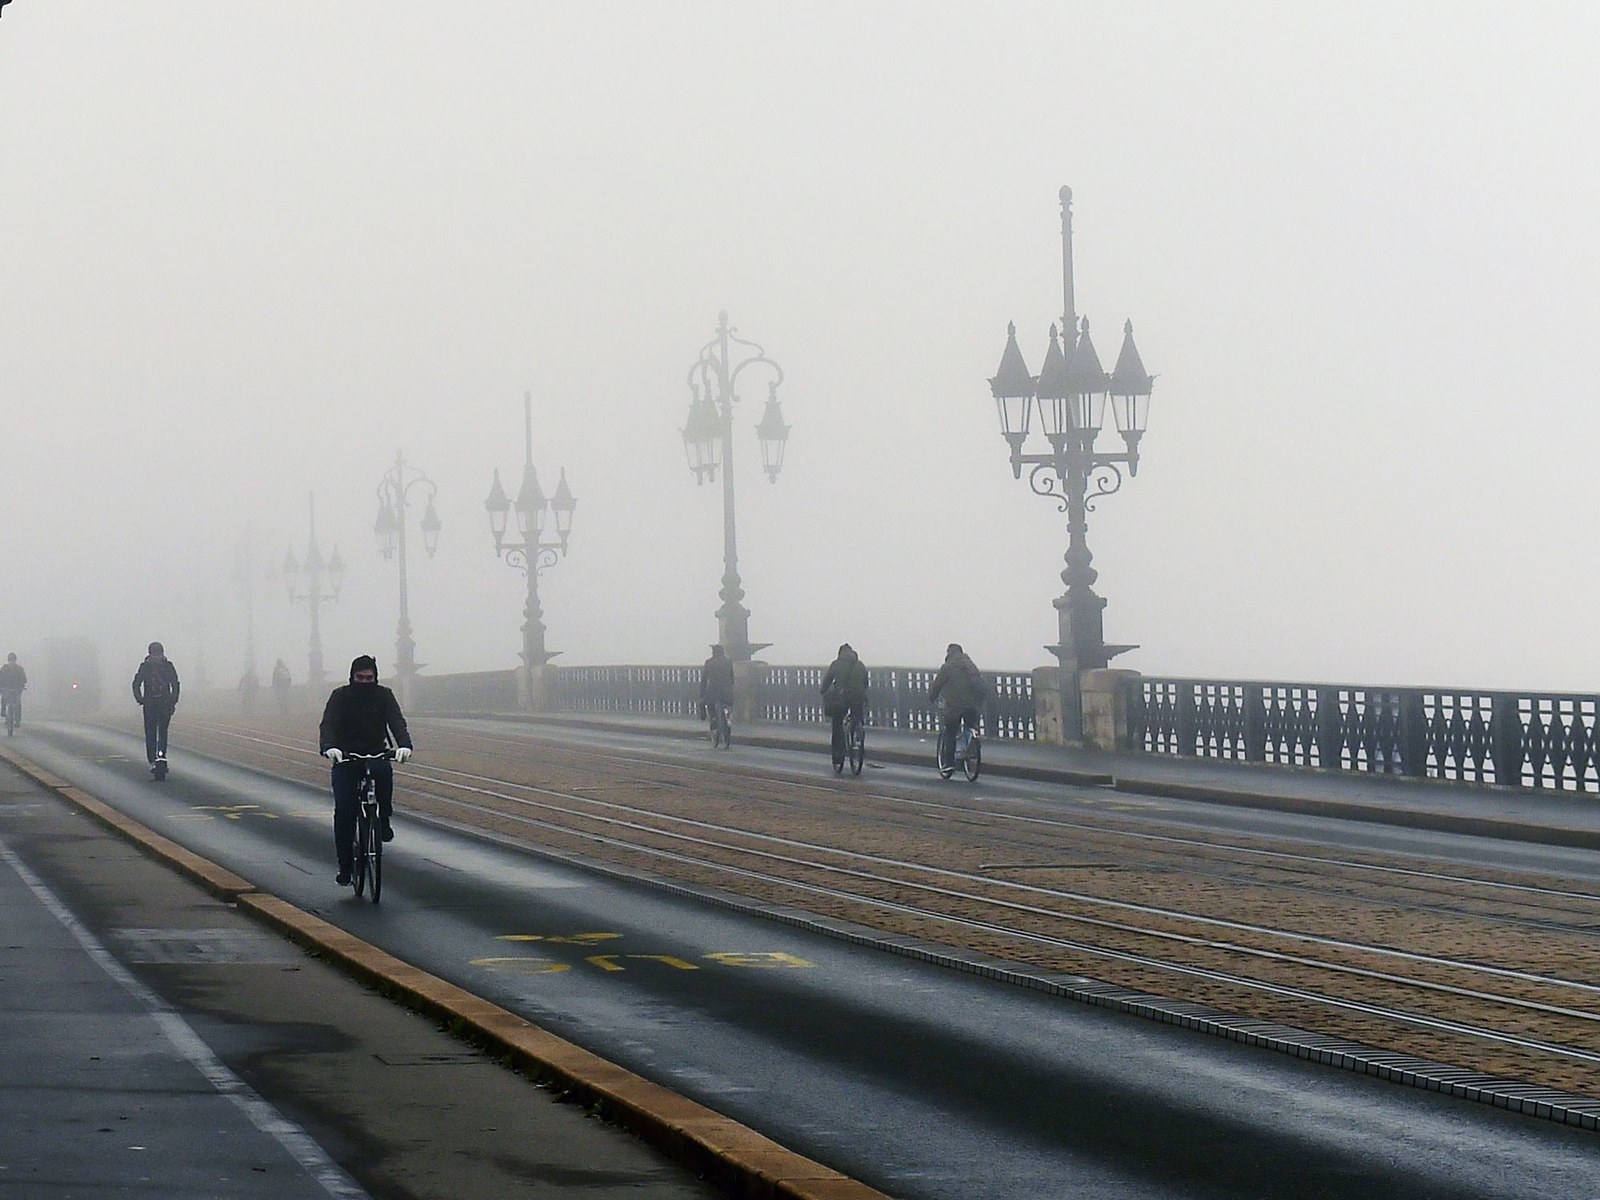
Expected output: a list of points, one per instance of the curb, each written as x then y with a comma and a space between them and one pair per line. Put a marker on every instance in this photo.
733, 1157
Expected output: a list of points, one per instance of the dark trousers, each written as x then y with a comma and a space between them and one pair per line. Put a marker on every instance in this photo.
347, 799
953, 724
157, 716
853, 706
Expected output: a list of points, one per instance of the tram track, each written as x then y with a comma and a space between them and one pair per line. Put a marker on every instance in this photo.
1488, 1010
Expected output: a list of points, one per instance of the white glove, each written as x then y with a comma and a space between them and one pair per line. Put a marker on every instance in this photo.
334, 755
402, 753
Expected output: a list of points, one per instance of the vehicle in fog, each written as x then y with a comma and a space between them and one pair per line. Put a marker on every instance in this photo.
64, 677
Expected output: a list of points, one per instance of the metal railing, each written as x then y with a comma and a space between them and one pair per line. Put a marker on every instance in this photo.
651, 691
482, 691
897, 697
1520, 739
1537, 740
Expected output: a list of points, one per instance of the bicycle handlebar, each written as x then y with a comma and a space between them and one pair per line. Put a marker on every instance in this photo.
369, 757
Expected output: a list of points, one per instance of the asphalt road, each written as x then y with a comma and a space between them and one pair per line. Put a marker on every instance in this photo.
923, 1082
160, 1043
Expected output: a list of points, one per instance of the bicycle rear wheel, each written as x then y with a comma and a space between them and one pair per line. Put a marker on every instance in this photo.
972, 764
944, 755
857, 749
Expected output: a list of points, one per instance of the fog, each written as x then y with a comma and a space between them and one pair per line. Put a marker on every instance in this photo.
248, 252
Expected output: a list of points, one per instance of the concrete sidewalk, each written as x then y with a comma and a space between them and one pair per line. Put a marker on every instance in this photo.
1552, 818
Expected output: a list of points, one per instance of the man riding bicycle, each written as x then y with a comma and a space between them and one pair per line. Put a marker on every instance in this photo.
844, 693
361, 718
12, 680
958, 689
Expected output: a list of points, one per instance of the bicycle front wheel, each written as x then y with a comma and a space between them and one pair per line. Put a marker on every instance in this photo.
362, 853
377, 862
359, 851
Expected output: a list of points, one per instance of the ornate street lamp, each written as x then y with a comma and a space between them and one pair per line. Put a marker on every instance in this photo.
708, 444
389, 529
534, 552
314, 582
1070, 393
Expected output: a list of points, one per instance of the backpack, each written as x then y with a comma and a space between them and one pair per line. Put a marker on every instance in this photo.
834, 700
157, 683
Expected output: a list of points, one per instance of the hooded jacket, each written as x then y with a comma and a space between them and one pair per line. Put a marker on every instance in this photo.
849, 674
959, 685
360, 718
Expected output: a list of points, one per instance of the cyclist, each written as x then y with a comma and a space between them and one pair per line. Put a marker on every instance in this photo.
844, 692
361, 718
957, 689
280, 684
12, 680
155, 689
716, 680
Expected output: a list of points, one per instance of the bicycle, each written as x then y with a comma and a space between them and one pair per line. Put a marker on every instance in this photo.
367, 849
855, 743
718, 717
967, 751
11, 702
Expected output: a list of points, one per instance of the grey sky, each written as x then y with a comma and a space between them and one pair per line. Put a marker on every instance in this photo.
248, 251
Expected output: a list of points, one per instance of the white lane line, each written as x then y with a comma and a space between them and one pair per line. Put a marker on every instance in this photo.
295, 1141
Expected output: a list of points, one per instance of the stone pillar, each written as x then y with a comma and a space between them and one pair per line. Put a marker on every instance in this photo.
536, 688
1107, 693
1049, 717
749, 688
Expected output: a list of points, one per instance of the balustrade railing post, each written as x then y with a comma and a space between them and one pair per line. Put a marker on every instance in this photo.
1255, 723
1506, 739
1186, 719
1413, 733
1330, 730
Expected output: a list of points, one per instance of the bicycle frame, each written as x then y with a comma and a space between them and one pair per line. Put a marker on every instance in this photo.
367, 846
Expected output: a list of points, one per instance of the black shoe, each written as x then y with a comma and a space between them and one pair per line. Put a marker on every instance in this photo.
342, 878
386, 831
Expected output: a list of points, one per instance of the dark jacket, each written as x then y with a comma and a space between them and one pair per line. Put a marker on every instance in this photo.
716, 679
958, 687
360, 718
850, 674
12, 677
156, 682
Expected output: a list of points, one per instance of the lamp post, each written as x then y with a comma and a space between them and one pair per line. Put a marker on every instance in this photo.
244, 577
708, 441
533, 553
394, 492
1071, 391
313, 582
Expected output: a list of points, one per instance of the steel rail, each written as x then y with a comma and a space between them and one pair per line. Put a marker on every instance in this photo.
434, 775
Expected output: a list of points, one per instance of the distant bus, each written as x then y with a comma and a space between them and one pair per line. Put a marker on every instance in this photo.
64, 677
